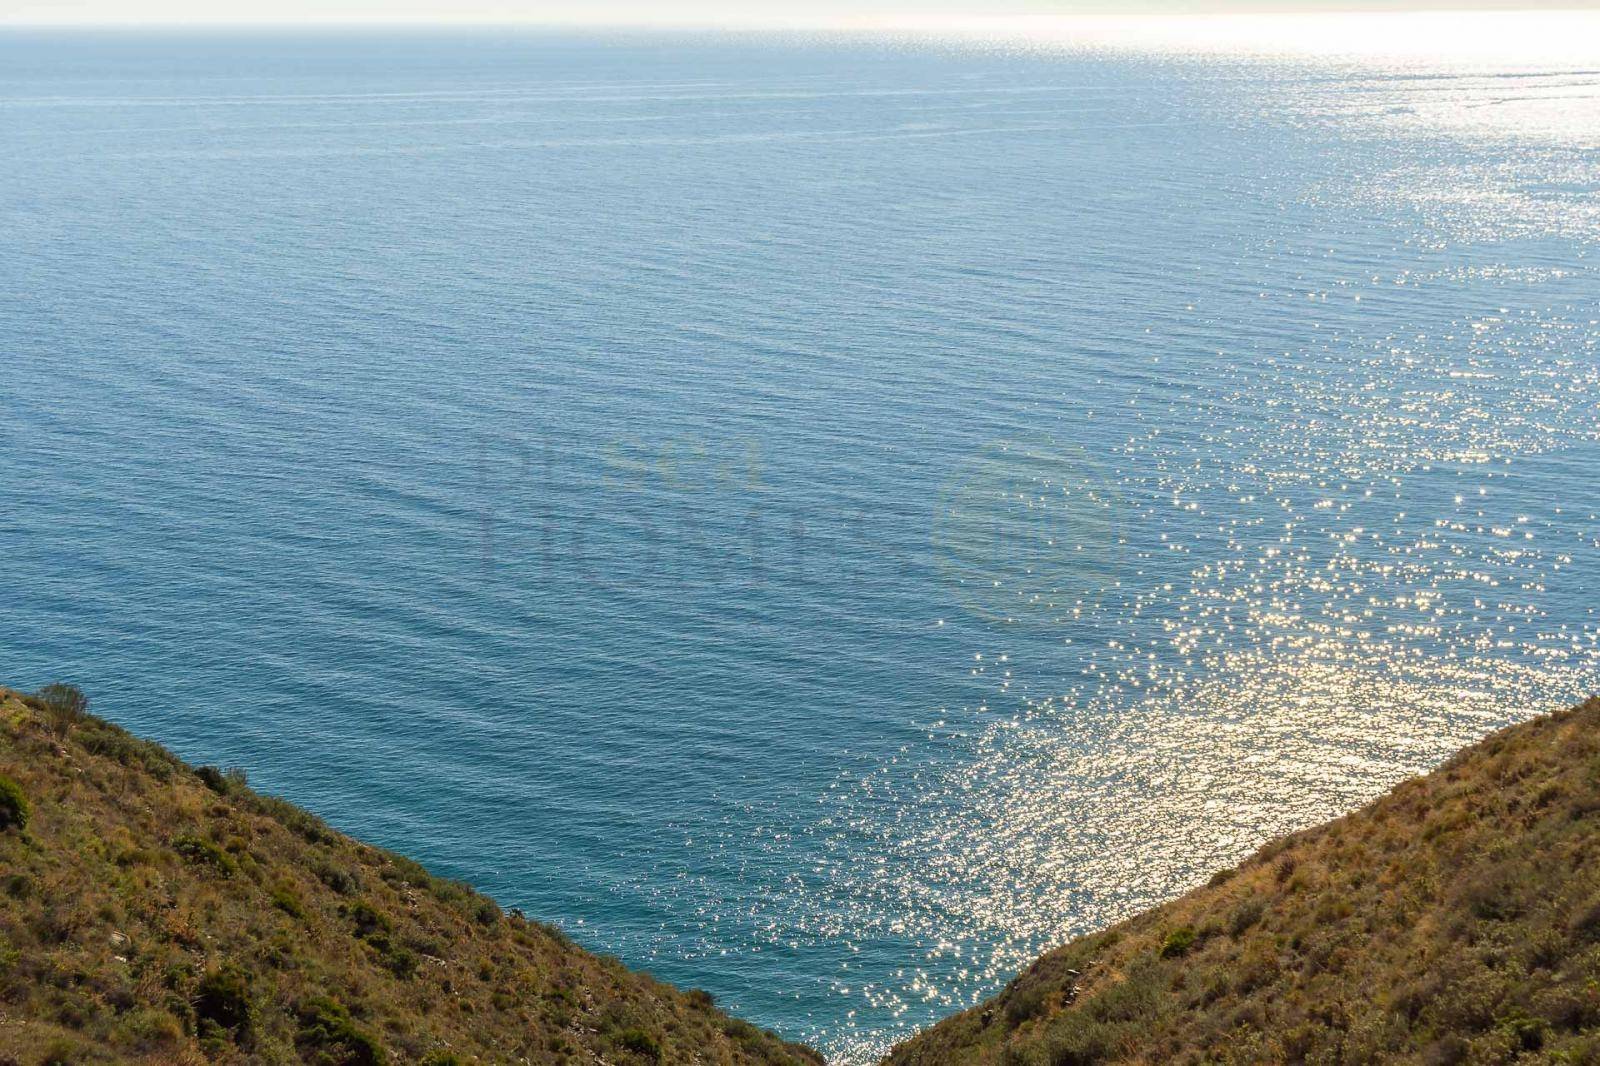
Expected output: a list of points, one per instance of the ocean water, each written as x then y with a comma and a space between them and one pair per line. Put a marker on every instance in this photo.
821, 518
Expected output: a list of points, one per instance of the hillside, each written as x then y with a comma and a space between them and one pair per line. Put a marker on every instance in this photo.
153, 912
1454, 920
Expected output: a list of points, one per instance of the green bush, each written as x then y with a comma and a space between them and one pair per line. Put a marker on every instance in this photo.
1139, 998
288, 901
398, 960
222, 1002
1178, 942
106, 740
1526, 1033
741, 1030
303, 823
1079, 1041
148, 1030
328, 1036
14, 812
1023, 1006
446, 891
202, 852
62, 1052
403, 871
341, 881
640, 1042
402, 962
368, 920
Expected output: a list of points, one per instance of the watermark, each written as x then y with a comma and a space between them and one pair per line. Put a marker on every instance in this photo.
1019, 531
1029, 531
682, 464
636, 513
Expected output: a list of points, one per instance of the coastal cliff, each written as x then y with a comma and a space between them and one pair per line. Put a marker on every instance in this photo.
1454, 920
153, 912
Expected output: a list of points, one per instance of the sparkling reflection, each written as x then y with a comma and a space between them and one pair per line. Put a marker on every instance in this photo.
1347, 550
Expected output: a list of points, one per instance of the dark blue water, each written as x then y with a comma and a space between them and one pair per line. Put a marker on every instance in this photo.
820, 519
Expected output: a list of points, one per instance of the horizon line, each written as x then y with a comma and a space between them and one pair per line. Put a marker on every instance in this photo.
907, 21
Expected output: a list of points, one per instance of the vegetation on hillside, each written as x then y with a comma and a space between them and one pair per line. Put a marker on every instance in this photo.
1454, 920
153, 912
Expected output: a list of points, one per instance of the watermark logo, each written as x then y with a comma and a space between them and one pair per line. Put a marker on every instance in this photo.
1029, 531
634, 513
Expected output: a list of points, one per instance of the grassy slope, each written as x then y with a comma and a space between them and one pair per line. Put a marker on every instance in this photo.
1454, 920
148, 916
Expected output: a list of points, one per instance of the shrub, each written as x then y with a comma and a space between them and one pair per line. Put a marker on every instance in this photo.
1492, 894
1585, 921
1079, 1042
341, 881
487, 912
302, 823
62, 1052
213, 779
1255, 967
741, 1030
1247, 914
202, 852
286, 900
1139, 997
1569, 1008
66, 702
1024, 1005
640, 1042
398, 960
402, 962
1448, 1050
149, 1030
222, 1002
447, 891
368, 920
328, 1036
106, 740
1526, 1033
14, 810
1178, 942
403, 871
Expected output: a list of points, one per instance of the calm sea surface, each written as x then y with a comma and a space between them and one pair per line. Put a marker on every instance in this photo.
822, 520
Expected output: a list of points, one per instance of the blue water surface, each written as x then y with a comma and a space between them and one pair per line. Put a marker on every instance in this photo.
822, 519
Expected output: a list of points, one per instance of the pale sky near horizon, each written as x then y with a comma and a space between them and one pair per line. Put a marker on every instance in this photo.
800, 13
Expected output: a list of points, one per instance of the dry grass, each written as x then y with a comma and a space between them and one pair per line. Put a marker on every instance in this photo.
153, 913
1455, 920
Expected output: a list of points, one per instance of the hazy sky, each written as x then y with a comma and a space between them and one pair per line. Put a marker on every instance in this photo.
728, 12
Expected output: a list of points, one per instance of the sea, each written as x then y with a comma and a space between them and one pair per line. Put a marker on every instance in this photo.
822, 516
